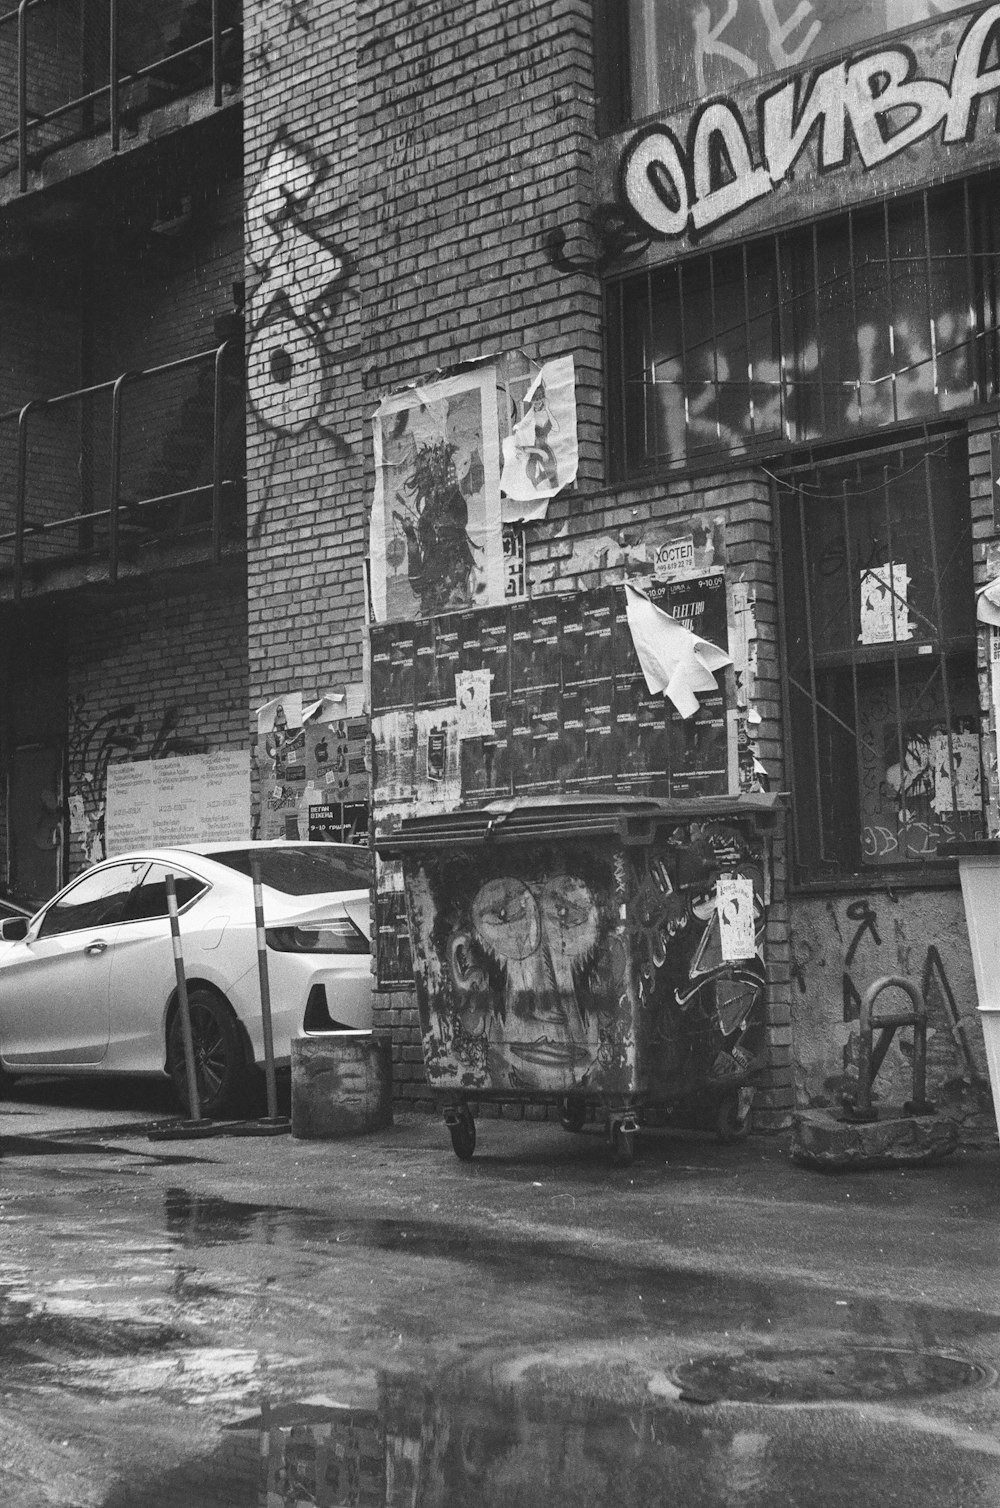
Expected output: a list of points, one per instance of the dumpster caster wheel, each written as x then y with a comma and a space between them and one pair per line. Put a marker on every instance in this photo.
622, 1146
463, 1136
732, 1119
572, 1114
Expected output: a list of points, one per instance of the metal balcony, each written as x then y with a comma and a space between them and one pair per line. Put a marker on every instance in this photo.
147, 458
76, 69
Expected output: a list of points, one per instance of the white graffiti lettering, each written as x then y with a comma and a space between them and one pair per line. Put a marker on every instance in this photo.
875, 106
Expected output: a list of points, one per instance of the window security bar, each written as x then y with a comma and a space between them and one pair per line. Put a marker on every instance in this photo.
886, 315
879, 656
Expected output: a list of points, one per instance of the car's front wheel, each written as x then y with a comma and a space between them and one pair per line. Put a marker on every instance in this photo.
221, 1071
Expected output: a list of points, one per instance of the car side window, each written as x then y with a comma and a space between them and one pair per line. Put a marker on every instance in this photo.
149, 900
97, 900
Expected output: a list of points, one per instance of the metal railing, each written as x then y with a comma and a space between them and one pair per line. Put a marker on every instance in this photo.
177, 461
221, 37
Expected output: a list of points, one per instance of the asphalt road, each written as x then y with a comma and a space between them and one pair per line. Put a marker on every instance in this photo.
244, 1320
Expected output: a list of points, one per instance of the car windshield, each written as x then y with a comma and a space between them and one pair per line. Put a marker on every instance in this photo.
304, 871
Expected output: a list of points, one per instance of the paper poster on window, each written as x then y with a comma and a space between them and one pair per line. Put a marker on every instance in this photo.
435, 540
885, 617
735, 906
955, 766
541, 456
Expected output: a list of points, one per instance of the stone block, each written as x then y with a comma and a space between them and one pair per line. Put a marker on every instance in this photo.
827, 1144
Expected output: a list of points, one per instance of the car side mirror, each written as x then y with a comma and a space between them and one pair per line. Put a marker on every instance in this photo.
13, 929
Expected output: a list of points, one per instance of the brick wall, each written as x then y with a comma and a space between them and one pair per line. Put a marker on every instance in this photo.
166, 674
306, 436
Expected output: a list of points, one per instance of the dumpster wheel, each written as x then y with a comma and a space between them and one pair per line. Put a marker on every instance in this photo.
572, 1113
463, 1134
621, 1139
732, 1117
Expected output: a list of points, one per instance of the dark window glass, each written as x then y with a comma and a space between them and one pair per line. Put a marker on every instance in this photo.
886, 315
149, 899
879, 646
96, 900
304, 871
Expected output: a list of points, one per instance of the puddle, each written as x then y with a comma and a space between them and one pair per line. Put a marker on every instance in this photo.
504, 1433
847, 1373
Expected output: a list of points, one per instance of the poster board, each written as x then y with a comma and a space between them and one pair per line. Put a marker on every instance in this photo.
195, 798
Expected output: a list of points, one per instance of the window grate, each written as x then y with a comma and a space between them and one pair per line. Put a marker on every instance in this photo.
879, 657
886, 315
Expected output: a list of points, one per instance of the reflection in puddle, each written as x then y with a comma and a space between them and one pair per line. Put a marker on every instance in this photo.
421, 1450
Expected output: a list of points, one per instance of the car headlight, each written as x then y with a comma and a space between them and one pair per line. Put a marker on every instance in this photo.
339, 935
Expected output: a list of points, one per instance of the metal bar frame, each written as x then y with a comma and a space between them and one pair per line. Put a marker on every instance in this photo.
112, 90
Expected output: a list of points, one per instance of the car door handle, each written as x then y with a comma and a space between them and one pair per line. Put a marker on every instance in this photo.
98, 946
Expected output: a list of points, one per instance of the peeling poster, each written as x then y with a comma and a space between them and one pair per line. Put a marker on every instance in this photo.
885, 615
957, 779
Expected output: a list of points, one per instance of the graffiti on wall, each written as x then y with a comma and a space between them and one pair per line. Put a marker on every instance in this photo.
93, 745
547, 969
687, 174
838, 950
293, 295
690, 49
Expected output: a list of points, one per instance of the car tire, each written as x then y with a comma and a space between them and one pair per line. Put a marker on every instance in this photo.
223, 1075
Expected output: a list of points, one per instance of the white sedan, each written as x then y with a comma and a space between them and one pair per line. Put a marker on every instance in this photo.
88, 985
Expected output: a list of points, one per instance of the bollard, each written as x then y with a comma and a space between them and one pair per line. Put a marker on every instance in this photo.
272, 1119
194, 1098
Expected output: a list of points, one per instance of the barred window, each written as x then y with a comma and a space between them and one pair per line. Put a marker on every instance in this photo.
884, 315
879, 657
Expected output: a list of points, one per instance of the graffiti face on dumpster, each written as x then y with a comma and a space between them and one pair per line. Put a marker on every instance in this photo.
512, 966
542, 937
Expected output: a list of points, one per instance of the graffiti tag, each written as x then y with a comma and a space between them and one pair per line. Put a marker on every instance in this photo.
683, 182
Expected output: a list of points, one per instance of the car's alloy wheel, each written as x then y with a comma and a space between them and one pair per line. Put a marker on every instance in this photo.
220, 1065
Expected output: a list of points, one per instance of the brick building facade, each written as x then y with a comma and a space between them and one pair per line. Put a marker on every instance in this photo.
377, 195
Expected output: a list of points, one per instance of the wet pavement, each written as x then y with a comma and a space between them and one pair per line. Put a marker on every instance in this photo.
268, 1321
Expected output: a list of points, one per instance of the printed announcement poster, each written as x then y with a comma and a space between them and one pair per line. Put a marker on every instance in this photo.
198, 798
436, 544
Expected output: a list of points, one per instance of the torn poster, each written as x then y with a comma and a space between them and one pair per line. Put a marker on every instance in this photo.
734, 902
988, 602
281, 764
328, 708
435, 540
885, 614
957, 779
472, 698
438, 756
674, 660
394, 750
285, 711
515, 561
541, 456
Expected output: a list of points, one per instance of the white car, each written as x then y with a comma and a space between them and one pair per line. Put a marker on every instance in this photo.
89, 984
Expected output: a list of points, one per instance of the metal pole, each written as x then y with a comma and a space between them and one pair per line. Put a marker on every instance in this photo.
194, 1099
265, 991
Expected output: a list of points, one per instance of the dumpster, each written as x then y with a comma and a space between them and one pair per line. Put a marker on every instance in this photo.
604, 954
979, 872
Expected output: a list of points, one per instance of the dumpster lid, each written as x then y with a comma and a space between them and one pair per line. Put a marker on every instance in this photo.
632, 819
969, 848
